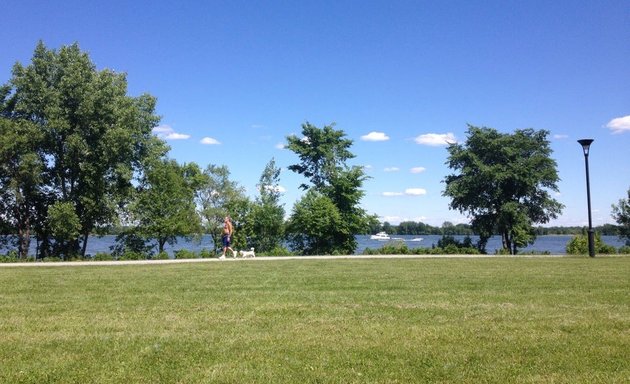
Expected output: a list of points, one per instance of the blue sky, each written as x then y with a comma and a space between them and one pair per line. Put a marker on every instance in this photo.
234, 78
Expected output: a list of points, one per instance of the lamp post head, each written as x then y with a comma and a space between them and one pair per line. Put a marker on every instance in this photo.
586, 143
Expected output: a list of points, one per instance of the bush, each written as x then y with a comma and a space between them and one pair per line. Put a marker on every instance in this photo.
578, 245
161, 256
10, 257
132, 256
206, 253
278, 251
185, 254
625, 250
103, 256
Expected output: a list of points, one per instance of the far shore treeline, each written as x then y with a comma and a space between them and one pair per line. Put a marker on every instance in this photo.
78, 157
417, 228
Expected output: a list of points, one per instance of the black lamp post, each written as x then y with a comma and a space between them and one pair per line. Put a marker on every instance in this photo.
586, 144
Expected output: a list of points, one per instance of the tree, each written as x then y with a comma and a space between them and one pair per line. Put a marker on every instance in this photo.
21, 167
503, 183
95, 138
266, 221
64, 226
309, 228
165, 206
323, 155
219, 197
621, 214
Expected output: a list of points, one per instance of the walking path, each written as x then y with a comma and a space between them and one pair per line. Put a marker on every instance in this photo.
263, 258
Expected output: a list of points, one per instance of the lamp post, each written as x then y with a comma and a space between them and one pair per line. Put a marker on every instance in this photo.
586, 144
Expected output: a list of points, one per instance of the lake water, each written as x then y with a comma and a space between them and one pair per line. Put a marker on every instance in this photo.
554, 244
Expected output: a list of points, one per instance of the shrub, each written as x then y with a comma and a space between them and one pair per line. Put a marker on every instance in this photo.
206, 253
578, 245
103, 256
278, 251
185, 254
161, 256
132, 256
625, 250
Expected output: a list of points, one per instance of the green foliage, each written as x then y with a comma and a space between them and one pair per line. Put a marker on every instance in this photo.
64, 226
83, 140
578, 245
621, 214
277, 251
503, 182
219, 197
165, 207
206, 253
185, 254
161, 256
265, 223
103, 256
21, 168
313, 226
323, 154
451, 240
132, 256
447, 245
130, 241
625, 250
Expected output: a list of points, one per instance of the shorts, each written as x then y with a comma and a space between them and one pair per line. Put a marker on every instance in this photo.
226, 240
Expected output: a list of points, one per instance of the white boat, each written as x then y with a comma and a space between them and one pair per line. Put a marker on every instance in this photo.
380, 236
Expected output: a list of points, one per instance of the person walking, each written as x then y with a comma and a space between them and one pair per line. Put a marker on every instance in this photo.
228, 230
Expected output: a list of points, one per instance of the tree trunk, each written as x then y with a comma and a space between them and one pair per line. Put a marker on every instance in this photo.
24, 238
161, 245
84, 245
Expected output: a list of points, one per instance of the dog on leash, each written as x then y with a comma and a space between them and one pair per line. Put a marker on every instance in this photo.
249, 253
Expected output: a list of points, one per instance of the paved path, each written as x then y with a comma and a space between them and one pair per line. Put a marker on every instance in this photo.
264, 258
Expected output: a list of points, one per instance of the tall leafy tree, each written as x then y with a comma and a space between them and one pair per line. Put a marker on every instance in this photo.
621, 214
503, 182
323, 154
266, 220
165, 207
95, 138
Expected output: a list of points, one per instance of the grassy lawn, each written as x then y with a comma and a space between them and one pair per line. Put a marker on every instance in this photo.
492, 320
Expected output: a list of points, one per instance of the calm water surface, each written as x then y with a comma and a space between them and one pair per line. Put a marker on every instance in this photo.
554, 244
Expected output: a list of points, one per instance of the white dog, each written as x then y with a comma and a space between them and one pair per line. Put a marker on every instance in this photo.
249, 253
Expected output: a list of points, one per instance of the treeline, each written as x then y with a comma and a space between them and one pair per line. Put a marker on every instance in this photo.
78, 157
449, 229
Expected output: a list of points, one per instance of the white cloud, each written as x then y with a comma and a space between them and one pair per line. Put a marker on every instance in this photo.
167, 133
281, 146
209, 141
375, 136
391, 194
277, 188
560, 137
415, 191
436, 139
392, 169
417, 169
619, 124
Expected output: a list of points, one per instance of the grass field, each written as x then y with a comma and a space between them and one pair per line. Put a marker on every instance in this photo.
488, 320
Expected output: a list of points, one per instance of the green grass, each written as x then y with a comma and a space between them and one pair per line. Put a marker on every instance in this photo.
490, 320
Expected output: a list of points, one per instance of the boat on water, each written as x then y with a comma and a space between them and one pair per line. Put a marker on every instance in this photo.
417, 239
380, 236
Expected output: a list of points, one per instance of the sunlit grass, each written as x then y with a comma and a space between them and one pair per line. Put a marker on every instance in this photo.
561, 320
